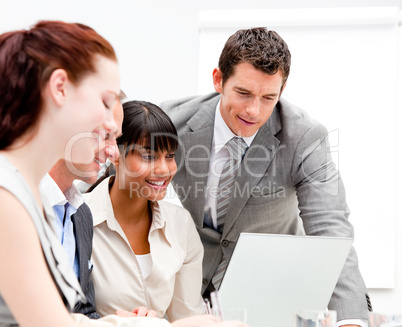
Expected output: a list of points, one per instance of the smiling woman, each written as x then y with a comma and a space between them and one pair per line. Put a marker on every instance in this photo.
46, 71
151, 247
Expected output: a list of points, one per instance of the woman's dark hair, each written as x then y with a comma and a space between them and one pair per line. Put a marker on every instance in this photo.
27, 60
147, 125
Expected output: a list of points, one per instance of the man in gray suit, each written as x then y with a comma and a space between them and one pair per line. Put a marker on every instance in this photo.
283, 179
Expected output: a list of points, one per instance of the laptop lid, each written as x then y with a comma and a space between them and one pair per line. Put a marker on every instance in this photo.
272, 276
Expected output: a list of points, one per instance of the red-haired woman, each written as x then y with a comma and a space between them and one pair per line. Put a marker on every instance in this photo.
58, 84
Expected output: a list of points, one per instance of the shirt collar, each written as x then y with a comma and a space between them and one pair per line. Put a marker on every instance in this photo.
52, 191
74, 196
101, 205
222, 133
56, 197
158, 221
102, 209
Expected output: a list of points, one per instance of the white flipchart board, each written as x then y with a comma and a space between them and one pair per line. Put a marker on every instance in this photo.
344, 73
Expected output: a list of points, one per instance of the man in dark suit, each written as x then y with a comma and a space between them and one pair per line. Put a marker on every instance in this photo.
253, 162
74, 224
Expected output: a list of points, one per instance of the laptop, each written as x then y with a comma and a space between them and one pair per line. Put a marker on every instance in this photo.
272, 276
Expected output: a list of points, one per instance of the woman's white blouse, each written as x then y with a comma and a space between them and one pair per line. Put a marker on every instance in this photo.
173, 286
145, 262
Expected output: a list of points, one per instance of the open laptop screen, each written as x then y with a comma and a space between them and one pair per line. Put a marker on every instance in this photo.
273, 275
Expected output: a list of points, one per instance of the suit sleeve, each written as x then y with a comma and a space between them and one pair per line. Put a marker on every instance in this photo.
323, 209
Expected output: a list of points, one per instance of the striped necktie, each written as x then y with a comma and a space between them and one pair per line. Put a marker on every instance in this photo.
237, 148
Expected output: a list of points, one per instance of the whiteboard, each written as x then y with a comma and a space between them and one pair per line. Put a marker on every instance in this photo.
345, 74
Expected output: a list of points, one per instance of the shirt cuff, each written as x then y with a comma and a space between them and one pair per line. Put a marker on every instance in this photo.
358, 322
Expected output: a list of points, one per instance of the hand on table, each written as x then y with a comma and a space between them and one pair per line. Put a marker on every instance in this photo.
137, 312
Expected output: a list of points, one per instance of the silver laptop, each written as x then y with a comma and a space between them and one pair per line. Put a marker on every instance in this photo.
272, 276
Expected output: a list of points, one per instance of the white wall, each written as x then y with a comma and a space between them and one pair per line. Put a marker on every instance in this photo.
156, 41
157, 45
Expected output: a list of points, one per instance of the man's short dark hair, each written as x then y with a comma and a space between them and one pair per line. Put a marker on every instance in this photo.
263, 49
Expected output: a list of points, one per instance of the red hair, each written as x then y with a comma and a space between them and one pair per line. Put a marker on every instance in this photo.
27, 60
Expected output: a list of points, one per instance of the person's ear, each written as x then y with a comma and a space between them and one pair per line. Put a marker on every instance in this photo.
58, 86
217, 79
115, 161
282, 88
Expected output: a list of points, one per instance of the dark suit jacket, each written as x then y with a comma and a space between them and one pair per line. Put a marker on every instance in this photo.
83, 230
287, 184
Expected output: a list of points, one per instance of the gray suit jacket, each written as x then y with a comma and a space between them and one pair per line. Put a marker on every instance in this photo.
83, 230
287, 184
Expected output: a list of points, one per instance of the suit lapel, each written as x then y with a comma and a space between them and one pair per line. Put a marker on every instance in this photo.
252, 169
83, 229
79, 241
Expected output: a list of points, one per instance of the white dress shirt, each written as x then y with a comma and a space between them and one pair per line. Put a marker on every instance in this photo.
63, 224
173, 286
